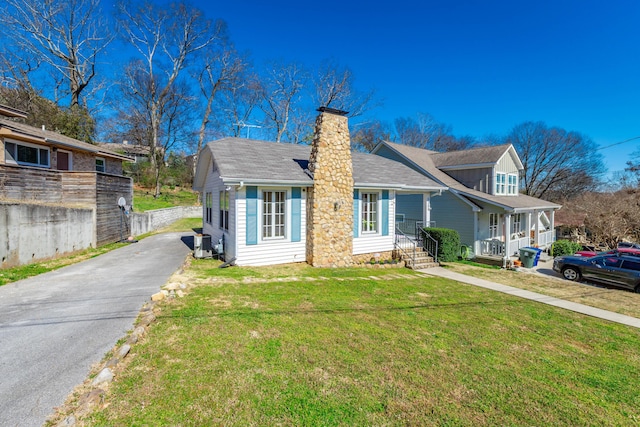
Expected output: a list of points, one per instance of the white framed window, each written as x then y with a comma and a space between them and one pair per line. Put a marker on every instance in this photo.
101, 165
516, 225
273, 214
493, 225
208, 207
22, 153
512, 184
369, 217
501, 180
224, 210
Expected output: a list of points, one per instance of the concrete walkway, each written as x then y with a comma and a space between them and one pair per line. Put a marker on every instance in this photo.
533, 296
54, 326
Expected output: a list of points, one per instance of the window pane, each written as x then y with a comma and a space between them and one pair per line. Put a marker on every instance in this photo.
369, 212
27, 154
44, 157
10, 151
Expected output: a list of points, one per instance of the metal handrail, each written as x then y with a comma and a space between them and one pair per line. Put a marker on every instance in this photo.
425, 240
406, 241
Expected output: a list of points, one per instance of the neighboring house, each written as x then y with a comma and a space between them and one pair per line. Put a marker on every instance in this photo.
57, 194
25, 145
483, 202
276, 203
139, 153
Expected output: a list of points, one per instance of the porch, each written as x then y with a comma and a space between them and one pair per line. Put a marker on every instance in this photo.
513, 231
499, 248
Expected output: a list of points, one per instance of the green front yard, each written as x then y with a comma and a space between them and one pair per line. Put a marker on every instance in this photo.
299, 346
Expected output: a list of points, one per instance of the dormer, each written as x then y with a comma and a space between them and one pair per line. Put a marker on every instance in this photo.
493, 170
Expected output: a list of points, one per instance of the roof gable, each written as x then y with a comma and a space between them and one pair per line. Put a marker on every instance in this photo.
425, 160
475, 157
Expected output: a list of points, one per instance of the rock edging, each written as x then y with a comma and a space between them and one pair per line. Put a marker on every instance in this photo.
90, 395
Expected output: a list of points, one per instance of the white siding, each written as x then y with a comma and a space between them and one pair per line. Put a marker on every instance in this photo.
214, 185
506, 164
269, 252
372, 243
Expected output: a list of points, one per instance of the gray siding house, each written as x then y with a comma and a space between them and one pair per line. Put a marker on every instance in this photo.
482, 203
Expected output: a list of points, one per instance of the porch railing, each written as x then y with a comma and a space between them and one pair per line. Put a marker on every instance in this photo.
492, 247
429, 244
545, 238
406, 245
515, 245
425, 241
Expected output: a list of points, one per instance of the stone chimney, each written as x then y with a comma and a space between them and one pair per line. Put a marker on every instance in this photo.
330, 200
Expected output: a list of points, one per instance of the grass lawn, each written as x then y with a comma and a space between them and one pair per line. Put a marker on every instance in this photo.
298, 346
143, 199
616, 300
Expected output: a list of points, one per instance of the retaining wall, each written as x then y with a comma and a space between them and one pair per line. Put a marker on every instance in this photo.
31, 233
145, 222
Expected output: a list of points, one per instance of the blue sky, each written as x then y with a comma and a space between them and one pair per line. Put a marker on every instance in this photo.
480, 66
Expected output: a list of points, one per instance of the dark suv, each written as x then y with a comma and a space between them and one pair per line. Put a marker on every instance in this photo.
622, 270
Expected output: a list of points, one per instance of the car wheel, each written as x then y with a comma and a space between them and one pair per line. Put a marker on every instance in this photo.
637, 289
571, 273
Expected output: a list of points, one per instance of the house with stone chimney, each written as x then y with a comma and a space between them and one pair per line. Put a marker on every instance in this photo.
483, 202
275, 203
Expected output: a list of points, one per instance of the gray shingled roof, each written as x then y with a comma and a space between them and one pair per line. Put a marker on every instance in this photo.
424, 159
57, 139
239, 159
473, 156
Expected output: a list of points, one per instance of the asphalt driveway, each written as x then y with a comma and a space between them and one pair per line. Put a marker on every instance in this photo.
53, 327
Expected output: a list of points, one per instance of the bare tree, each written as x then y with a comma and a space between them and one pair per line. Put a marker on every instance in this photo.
236, 106
426, 132
334, 87
365, 136
557, 164
610, 217
65, 38
166, 37
282, 90
221, 72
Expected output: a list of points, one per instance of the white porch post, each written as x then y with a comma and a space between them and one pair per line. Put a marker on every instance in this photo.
507, 232
552, 225
536, 234
426, 209
476, 233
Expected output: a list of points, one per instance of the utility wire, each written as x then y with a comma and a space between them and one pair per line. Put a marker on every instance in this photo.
618, 143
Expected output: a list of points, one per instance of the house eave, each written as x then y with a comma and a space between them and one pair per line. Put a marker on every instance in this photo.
463, 167
270, 182
400, 187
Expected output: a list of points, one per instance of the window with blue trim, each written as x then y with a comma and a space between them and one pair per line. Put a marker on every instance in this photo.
273, 214
369, 214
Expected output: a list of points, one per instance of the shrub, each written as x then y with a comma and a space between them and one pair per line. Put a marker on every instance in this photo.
565, 247
448, 243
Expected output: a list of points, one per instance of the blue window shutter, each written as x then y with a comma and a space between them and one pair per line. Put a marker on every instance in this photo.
385, 213
252, 215
295, 213
356, 213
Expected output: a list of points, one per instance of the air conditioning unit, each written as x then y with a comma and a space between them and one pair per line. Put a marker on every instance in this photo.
202, 246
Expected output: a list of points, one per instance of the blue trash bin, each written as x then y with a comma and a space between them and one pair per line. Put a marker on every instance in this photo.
537, 257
